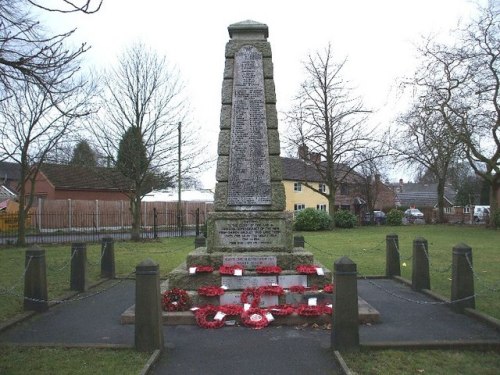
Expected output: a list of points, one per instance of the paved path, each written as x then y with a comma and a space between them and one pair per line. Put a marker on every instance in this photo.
276, 350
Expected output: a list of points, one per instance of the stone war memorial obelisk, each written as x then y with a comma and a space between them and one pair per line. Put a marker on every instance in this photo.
250, 226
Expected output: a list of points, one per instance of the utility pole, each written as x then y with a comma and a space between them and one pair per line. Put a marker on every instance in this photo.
179, 213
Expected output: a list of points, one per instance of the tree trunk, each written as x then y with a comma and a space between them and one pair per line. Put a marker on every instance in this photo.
135, 208
21, 218
494, 191
440, 192
331, 209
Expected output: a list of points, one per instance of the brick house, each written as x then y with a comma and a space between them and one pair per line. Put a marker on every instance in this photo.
62, 181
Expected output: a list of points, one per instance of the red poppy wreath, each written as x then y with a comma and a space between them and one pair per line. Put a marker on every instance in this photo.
175, 300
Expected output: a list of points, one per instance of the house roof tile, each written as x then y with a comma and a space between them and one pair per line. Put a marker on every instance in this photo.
71, 177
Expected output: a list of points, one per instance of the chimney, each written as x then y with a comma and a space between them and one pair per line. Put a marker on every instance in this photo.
400, 185
303, 152
315, 157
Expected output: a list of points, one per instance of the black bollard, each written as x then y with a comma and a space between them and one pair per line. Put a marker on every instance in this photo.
78, 280
108, 258
392, 260
200, 241
35, 280
298, 241
148, 319
420, 278
462, 284
345, 327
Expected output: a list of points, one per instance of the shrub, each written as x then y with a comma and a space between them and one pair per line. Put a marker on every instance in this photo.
395, 217
345, 219
311, 219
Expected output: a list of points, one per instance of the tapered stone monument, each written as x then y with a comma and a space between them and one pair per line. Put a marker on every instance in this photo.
250, 226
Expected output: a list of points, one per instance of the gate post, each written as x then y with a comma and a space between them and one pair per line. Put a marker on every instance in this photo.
35, 280
78, 266
148, 317
345, 325
392, 261
108, 258
420, 278
462, 276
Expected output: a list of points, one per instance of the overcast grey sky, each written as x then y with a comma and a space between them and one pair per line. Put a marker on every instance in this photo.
377, 37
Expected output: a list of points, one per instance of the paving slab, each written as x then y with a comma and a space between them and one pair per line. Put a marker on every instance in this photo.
407, 316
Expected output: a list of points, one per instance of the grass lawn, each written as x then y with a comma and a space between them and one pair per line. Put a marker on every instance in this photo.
365, 246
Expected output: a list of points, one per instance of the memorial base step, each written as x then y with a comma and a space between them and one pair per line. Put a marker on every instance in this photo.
367, 315
182, 279
285, 260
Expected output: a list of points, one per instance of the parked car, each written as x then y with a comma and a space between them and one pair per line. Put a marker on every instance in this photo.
413, 214
481, 213
377, 217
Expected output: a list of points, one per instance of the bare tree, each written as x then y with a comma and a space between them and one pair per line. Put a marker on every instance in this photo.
328, 121
32, 122
28, 54
426, 141
143, 95
464, 80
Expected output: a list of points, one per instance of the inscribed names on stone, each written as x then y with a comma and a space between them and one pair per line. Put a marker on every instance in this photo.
249, 182
286, 281
242, 282
249, 262
248, 232
230, 298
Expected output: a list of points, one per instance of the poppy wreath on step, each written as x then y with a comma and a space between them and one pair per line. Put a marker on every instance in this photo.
205, 317
306, 310
175, 300
254, 293
281, 310
271, 290
231, 309
229, 270
254, 318
329, 288
210, 291
327, 309
301, 289
204, 269
268, 270
306, 269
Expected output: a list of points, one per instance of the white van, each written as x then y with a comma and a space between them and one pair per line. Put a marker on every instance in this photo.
481, 213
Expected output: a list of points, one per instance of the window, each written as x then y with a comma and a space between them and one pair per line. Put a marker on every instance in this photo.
322, 188
321, 207
448, 210
467, 210
297, 186
344, 189
298, 207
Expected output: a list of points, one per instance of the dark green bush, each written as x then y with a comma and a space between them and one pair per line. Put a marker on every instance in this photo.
311, 219
395, 217
345, 219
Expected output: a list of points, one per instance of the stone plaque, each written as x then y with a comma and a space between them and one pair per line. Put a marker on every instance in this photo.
234, 298
242, 282
286, 281
248, 232
249, 262
249, 181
